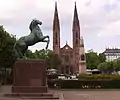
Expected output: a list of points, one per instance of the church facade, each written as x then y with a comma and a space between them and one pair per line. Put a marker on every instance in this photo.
73, 58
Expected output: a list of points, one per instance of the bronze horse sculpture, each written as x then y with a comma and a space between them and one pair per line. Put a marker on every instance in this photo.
34, 37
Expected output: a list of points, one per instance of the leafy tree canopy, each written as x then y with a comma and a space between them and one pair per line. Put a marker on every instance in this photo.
53, 60
7, 41
93, 59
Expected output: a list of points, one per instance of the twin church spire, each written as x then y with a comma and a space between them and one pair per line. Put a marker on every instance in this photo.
73, 60
56, 29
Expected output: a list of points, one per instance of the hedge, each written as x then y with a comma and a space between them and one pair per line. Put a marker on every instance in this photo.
98, 77
88, 82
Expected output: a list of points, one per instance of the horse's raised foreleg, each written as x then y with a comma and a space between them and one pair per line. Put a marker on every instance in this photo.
47, 43
43, 40
45, 37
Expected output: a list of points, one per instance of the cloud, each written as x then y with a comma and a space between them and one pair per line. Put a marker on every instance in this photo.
88, 2
98, 19
111, 30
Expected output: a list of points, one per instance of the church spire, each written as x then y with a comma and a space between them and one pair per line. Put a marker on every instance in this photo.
75, 18
56, 8
56, 31
56, 18
75, 13
76, 29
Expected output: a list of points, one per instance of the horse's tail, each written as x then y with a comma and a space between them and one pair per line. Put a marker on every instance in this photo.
15, 49
14, 45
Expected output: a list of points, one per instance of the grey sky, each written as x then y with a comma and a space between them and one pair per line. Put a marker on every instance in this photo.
99, 20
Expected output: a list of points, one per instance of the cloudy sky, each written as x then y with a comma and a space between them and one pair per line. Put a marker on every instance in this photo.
99, 20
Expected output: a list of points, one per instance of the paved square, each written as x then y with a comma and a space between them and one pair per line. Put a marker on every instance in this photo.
73, 94
91, 95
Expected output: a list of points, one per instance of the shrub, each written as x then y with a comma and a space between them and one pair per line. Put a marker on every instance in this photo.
88, 82
98, 77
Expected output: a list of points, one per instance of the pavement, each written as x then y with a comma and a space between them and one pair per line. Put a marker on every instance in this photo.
91, 95
72, 94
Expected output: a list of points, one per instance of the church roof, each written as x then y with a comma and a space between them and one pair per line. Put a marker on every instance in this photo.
66, 47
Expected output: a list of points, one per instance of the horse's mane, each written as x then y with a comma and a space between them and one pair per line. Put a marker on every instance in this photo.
32, 24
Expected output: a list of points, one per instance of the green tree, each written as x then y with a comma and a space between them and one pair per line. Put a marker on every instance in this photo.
106, 67
53, 60
110, 67
92, 60
116, 64
102, 57
29, 54
6, 48
102, 67
7, 56
41, 54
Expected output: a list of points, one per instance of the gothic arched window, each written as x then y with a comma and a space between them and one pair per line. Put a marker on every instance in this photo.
71, 70
67, 58
67, 69
62, 70
56, 38
76, 41
82, 57
76, 35
56, 41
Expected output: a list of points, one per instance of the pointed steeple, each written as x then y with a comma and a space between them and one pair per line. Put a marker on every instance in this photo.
56, 11
56, 31
76, 29
75, 18
75, 13
76, 38
56, 18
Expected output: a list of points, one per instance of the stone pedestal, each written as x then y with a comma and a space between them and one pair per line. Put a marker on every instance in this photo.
30, 80
29, 76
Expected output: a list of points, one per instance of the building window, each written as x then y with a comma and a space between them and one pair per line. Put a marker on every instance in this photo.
76, 35
66, 48
82, 57
67, 69
71, 70
56, 41
62, 70
77, 65
66, 58
56, 38
76, 53
56, 34
82, 45
76, 41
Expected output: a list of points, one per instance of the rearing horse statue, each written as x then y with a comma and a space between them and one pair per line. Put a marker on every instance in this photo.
34, 37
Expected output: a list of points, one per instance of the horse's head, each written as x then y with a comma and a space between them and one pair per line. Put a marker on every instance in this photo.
34, 23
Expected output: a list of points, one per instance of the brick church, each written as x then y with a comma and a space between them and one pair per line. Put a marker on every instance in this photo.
73, 58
